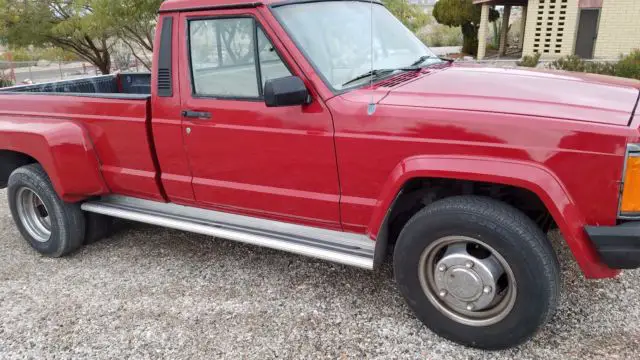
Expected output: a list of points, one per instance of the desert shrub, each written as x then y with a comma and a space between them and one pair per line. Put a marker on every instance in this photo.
35, 54
529, 60
629, 66
577, 64
17, 55
604, 68
55, 54
441, 35
569, 63
496, 33
515, 31
5, 81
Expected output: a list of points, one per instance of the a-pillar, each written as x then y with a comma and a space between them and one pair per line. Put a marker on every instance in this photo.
483, 31
505, 30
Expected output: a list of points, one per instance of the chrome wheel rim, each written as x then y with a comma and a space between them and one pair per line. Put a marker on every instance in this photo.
33, 214
467, 280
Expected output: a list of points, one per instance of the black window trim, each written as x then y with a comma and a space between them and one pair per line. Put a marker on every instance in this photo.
165, 57
256, 56
256, 25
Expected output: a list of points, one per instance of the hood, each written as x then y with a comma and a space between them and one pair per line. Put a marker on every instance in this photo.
565, 95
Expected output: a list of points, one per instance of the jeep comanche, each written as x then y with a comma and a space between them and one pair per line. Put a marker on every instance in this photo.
327, 129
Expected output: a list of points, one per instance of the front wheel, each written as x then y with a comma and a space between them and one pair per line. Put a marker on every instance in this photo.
477, 272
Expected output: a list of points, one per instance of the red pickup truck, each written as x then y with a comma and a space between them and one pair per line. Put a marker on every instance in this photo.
299, 126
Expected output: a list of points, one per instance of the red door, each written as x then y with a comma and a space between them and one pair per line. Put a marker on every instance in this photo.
244, 157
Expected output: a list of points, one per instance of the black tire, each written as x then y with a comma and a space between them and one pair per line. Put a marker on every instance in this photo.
98, 227
522, 245
67, 222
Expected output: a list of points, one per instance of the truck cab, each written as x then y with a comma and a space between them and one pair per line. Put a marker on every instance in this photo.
327, 129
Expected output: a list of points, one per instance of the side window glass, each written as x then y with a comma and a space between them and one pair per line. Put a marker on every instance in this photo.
271, 65
223, 57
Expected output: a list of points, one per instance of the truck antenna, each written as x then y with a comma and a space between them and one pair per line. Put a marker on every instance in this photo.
372, 106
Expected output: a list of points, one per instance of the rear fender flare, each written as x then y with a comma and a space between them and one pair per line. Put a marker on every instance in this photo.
63, 148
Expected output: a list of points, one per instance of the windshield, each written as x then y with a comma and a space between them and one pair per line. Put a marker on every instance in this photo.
336, 38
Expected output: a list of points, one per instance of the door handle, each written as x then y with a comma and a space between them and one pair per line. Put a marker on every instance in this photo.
201, 115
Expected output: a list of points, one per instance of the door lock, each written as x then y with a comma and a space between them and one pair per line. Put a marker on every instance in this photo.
188, 130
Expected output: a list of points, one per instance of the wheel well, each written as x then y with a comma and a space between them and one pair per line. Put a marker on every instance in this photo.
9, 161
418, 193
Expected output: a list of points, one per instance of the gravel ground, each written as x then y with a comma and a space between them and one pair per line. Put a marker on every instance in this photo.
148, 292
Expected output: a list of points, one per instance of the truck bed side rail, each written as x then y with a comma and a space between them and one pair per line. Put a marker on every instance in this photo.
129, 83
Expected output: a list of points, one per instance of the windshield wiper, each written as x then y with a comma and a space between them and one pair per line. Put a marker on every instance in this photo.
371, 73
379, 72
422, 59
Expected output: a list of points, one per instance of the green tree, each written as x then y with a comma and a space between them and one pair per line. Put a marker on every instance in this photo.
411, 15
3, 30
466, 15
67, 24
629, 66
133, 22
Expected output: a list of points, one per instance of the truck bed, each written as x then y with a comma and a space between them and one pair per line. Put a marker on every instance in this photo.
113, 109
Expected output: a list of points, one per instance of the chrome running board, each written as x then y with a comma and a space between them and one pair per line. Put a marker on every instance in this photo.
340, 247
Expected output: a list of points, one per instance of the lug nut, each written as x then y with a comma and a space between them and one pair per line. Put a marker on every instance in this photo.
469, 264
470, 307
442, 268
443, 293
487, 289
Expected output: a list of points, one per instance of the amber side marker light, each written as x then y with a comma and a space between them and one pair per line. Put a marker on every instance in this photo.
630, 200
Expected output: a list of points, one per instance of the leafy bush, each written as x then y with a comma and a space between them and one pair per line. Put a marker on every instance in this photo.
628, 66
529, 60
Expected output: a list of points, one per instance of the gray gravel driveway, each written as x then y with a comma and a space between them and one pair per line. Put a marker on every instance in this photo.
149, 292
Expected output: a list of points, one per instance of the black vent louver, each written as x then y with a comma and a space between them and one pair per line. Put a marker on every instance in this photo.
399, 79
165, 81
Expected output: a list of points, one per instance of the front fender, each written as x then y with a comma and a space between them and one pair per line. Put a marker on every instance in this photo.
530, 176
64, 150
